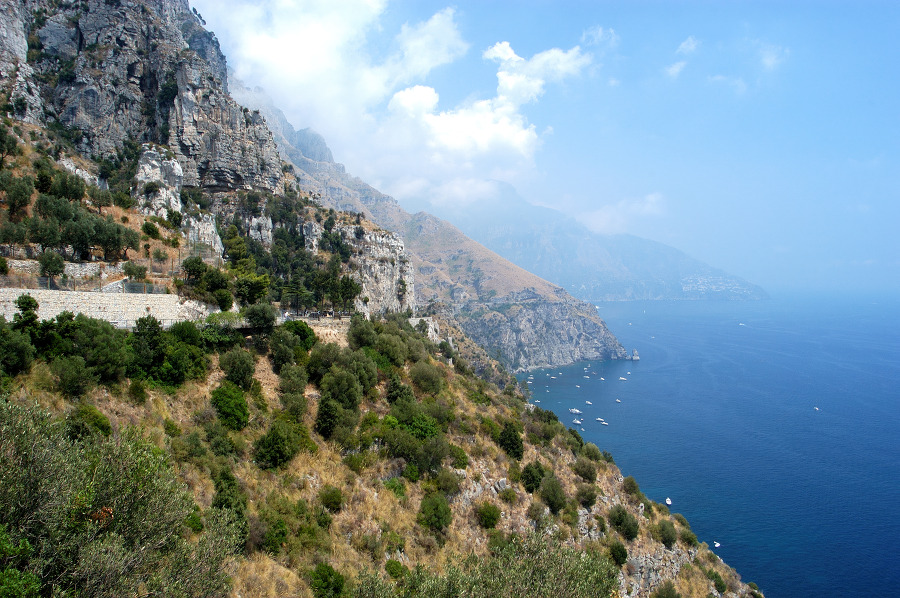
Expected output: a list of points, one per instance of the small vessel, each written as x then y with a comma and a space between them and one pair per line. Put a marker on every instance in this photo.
537, 400
604, 423
588, 377
817, 408
618, 400
623, 379
576, 421
668, 501
602, 378
577, 386
575, 411
629, 373
716, 544
589, 403
600, 419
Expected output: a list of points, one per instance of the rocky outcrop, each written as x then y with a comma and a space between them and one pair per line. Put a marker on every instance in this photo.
384, 271
144, 70
165, 175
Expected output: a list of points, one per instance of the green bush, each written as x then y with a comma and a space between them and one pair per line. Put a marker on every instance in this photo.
446, 481
395, 568
434, 512
327, 418
397, 486
586, 495
585, 469
664, 531
551, 492
717, 580
229, 402
459, 456
73, 377
426, 377
511, 441
331, 498
342, 387
239, 367
590, 451
623, 522
507, 495
411, 473
224, 299
134, 272
281, 443
325, 582
532, 474
86, 420
630, 486
150, 229
665, 590
487, 515
689, 538
618, 553
682, 520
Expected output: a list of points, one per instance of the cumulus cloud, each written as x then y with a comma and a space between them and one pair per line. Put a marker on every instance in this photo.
688, 46
675, 69
619, 217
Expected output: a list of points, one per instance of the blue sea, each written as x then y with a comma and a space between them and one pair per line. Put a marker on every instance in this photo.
773, 426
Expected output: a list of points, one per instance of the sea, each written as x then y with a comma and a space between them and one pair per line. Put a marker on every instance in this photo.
773, 426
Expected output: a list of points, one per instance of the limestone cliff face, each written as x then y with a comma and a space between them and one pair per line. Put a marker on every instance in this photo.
134, 69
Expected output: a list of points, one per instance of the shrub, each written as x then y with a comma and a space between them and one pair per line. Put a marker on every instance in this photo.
325, 582
239, 367
281, 443
134, 271
229, 402
459, 456
682, 520
150, 229
717, 580
447, 482
585, 469
331, 498
137, 391
341, 386
4, 266
630, 486
618, 553
397, 486
688, 537
86, 420
623, 522
551, 492
224, 299
395, 568
411, 473
434, 512
507, 495
664, 531
51, 264
590, 451
327, 418
303, 332
586, 494
511, 441
426, 377
487, 515
532, 475
666, 590
73, 377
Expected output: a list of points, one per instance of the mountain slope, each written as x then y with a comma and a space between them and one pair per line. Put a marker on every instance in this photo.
520, 317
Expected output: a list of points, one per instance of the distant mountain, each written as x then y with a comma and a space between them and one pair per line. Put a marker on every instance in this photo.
591, 266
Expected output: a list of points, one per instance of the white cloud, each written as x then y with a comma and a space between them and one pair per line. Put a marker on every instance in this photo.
771, 55
619, 217
598, 36
688, 46
675, 69
522, 81
428, 45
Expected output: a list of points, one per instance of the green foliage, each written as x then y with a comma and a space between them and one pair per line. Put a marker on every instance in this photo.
325, 582
51, 264
229, 402
411, 473
105, 517
689, 538
618, 553
623, 522
585, 469
303, 332
715, 577
434, 512
586, 495
331, 498
507, 495
552, 493
134, 271
460, 457
4, 266
487, 514
148, 228
664, 531
510, 441
86, 420
342, 387
281, 443
630, 486
396, 390
530, 566
395, 568
397, 486
327, 418
532, 474
16, 351
666, 590
260, 316
426, 377
239, 367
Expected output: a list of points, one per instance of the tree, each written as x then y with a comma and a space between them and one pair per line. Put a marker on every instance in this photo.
148, 343
194, 268
665, 590
511, 441
51, 264
260, 317
8, 145
327, 418
18, 194
618, 553
341, 386
624, 522
231, 406
552, 493
487, 514
434, 512
532, 474
325, 582
664, 531
239, 367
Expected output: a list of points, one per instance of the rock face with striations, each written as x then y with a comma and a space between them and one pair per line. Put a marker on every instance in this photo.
141, 70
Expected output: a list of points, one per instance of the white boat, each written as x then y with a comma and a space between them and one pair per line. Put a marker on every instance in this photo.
602, 378
537, 400
600, 419
589, 403
618, 400
716, 544
588, 377
576, 421
604, 423
577, 386
668, 501
575, 411
623, 379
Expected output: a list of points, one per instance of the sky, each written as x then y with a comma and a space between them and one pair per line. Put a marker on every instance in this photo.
760, 137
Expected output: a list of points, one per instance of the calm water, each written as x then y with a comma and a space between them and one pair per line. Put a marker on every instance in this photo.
720, 416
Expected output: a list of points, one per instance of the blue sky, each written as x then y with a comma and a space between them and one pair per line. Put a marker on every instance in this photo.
760, 137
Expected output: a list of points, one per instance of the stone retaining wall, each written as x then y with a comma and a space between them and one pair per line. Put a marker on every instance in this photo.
121, 309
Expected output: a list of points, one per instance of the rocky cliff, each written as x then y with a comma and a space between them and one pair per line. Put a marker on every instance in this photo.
107, 71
